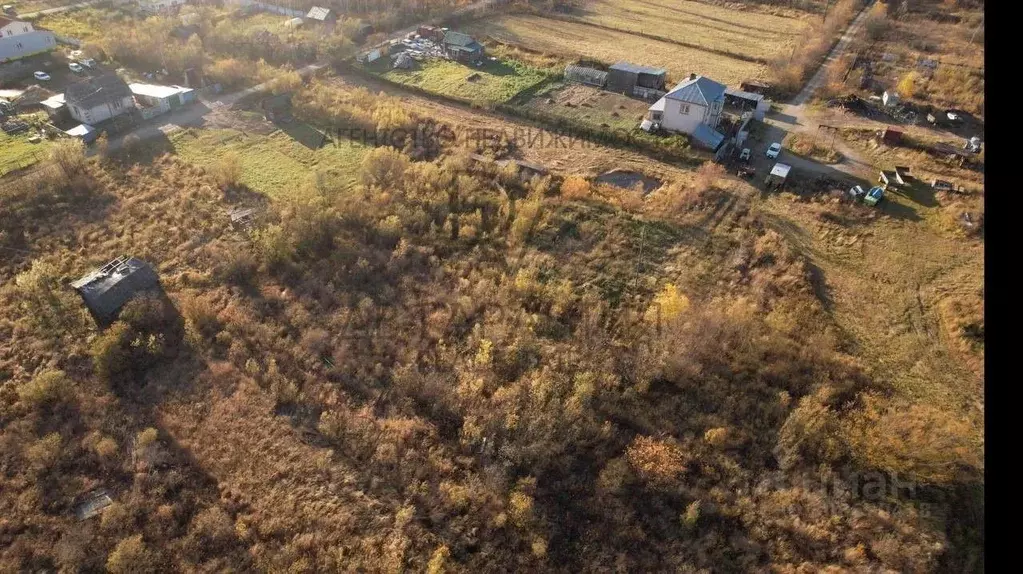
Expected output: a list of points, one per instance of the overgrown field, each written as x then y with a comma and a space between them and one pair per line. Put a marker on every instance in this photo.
443, 367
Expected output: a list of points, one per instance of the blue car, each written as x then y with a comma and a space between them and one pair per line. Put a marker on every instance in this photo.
874, 196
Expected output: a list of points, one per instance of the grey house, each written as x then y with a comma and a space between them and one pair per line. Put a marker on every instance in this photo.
19, 39
99, 98
107, 289
462, 48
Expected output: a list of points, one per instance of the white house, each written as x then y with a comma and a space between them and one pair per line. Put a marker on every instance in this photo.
693, 107
99, 98
20, 39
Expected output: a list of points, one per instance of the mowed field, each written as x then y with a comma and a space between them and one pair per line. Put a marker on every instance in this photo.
494, 82
680, 36
276, 163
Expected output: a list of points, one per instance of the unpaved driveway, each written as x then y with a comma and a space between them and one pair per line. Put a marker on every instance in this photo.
795, 116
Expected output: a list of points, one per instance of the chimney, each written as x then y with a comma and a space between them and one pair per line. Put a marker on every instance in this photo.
692, 76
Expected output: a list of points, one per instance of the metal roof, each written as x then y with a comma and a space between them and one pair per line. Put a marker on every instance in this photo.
156, 91
460, 40
708, 136
744, 95
80, 130
699, 90
781, 170
107, 289
97, 90
54, 102
318, 13
637, 69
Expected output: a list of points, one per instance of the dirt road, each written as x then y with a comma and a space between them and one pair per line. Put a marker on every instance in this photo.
795, 116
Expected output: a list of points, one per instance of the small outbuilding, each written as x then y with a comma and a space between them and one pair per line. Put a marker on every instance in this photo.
624, 78
84, 132
155, 99
277, 108
107, 289
891, 136
778, 176
583, 75
889, 98
744, 101
462, 47
324, 16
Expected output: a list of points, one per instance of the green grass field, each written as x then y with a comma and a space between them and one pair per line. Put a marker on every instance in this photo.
498, 81
276, 163
16, 152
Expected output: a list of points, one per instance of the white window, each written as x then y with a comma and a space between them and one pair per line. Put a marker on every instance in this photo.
683, 109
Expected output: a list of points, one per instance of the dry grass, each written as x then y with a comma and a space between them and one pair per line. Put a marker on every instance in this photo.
748, 34
807, 146
574, 40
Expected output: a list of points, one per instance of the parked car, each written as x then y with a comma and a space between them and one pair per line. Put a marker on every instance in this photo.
75, 67
42, 76
774, 150
88, 63
744, 154
874, 196
857, 192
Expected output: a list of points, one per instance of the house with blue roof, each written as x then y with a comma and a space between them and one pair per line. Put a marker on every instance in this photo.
693, 107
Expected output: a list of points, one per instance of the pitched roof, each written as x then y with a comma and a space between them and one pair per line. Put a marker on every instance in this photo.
91, 92
460, 39
637, 69
708, 136
107, 289
318, 13
699, 90
5, 21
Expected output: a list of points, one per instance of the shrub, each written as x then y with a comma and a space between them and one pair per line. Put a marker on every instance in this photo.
691, 515
438, 560
45, 389
69, 156
227, 170
43, 453
656, 461
131, 556
907, 86
575, 187
383, 167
